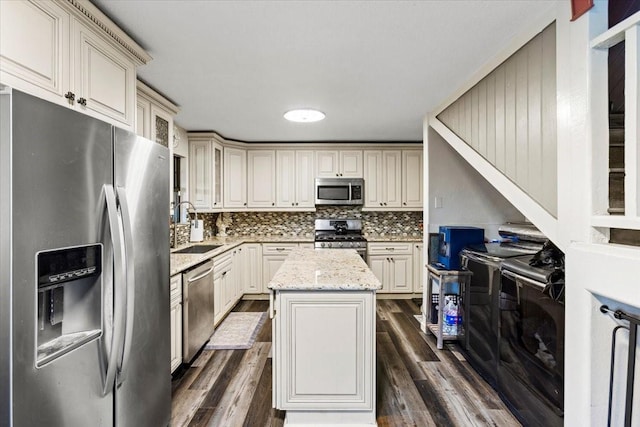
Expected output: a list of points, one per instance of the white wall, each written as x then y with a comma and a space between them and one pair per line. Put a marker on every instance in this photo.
466, 197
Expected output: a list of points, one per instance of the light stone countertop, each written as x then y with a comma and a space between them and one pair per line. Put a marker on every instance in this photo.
309, 269
181, 262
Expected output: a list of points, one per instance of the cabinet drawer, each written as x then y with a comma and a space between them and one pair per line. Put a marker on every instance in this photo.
175, 287
278, 248
222, 263
389, 248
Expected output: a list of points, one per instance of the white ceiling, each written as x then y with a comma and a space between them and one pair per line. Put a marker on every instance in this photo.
376, 68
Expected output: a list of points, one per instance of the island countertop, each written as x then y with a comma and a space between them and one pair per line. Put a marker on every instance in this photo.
310, 269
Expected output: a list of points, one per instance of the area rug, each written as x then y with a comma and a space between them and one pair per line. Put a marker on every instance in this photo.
237, 331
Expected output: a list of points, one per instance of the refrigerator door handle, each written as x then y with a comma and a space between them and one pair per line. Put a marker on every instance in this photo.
130, 283
118, 290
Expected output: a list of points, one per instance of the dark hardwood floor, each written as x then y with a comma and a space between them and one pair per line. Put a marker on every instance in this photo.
417, 385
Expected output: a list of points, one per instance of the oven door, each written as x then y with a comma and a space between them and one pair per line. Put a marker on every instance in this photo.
531, 353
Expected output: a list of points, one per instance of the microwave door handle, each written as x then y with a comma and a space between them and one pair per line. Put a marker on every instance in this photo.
130, 283
350, 192
117, 289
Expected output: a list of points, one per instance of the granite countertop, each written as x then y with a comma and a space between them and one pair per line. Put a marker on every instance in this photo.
308, 269
181, 262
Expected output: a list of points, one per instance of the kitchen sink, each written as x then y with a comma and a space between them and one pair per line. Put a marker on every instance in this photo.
197, 249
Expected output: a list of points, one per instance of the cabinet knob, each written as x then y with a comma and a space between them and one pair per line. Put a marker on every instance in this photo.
82, 102
244, 204
404, 203
381, 204
297, 203
385, 203
337, 174
70, 96
273, 204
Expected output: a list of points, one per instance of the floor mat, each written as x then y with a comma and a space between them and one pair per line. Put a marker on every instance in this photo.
237, 331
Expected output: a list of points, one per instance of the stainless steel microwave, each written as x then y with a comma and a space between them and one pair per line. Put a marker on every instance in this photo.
339, 191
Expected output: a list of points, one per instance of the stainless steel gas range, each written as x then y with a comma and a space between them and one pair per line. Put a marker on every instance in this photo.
340, 234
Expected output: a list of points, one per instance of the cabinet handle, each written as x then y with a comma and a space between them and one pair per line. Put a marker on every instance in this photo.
389, 249
279, 249
70, 96
224, 273
82, 102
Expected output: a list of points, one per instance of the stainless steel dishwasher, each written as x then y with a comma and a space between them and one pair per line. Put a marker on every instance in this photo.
197, 315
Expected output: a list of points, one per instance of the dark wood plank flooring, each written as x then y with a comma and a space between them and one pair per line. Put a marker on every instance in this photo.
417, 385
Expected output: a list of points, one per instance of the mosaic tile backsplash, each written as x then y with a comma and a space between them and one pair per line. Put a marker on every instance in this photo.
302, 223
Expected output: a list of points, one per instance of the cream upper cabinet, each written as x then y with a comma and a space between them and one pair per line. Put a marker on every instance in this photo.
383, 178
261, 182
235, 178
71, 54
339, 163
205, 173
412, 173
294, 179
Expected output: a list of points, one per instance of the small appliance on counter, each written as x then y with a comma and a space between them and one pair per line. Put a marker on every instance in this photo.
197, 227
452, 240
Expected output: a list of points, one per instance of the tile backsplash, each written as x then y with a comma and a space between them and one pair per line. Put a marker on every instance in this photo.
259, 223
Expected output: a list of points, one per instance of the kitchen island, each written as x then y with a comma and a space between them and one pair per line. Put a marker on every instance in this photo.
323, 305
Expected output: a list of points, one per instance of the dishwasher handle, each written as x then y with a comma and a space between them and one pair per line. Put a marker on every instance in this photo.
200, 276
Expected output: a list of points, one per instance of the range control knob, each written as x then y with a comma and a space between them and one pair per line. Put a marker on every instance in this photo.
322, 245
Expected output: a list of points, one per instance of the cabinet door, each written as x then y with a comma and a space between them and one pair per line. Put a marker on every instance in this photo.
143, 118
351, 163
327, 164
401, 273
235, 178
392, 178
216, 175
261, 186
271, 264
176, 335
105, 79
286, 178
161, 126
418, 267
200, 173
305, 175
218, 304
334, 333
252, 280
373, 179
379, 265
412, 175
34, 48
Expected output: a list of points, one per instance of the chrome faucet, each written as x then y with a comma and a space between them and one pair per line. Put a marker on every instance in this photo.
175, 230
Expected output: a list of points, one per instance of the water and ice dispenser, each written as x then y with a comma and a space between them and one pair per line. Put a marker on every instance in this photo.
69, 285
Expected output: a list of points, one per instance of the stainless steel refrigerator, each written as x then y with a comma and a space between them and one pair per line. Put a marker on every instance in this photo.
84, 270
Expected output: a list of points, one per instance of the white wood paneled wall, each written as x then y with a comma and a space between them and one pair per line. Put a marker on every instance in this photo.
509, 118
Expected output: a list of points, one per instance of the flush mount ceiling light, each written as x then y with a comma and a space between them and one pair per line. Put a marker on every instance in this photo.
304, 115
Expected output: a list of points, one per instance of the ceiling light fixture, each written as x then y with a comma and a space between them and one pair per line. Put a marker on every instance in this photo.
304, 115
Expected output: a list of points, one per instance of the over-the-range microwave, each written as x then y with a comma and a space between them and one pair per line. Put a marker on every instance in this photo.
339, 191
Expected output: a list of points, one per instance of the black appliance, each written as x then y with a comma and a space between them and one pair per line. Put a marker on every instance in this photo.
480, 342
531, 362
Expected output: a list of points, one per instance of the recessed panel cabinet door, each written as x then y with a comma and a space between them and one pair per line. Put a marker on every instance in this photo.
105, 80
34, 48
327, 352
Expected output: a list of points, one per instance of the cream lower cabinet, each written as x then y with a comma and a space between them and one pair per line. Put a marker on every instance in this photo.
225, 285
273, 255
75, 56
251, 267
392, 264
175, 315
418, 267
324, 356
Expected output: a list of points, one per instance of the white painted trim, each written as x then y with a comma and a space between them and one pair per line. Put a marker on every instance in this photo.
615, 221
631, 116
615, 34
524, 203
156, 97
515, 43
